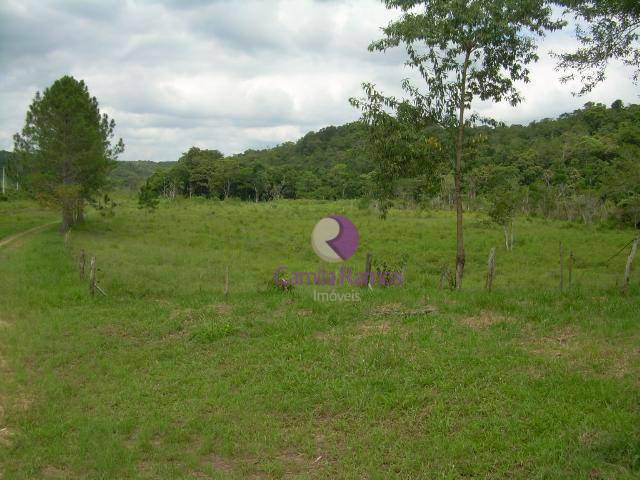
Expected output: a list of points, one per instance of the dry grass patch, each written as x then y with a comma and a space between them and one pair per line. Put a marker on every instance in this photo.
183, 314
485, 319
6, 437
220, 308
213, 462
560, 343
294, 462
399, 310
611, 358
54, 472
366, 329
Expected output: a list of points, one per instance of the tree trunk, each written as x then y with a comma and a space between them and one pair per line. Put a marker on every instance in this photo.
79, 214
511, 235
491, 269
67, 217
627, 270
460, 256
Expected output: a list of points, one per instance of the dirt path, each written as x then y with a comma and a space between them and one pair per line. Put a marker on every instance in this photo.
6, 432
11, 238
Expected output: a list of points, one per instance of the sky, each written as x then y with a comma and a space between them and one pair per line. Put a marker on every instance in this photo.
231, 74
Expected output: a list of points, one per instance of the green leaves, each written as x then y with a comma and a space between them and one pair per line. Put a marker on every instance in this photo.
606, 30
463, 51
492, 40
66, 146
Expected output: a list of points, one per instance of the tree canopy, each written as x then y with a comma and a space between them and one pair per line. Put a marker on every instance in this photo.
66, 147
606, 30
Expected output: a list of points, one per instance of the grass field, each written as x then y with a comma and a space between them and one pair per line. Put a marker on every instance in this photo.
20, 215
167, 378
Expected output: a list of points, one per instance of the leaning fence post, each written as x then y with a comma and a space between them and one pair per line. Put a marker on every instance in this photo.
491, 268
367, 269
92, 276
627, 269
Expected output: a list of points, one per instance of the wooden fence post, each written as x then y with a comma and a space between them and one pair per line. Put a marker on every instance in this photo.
367, 269
92, 276
627, 269
491, 268
561, 267
82, 263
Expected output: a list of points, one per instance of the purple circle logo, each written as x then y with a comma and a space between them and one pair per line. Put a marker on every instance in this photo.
335, 239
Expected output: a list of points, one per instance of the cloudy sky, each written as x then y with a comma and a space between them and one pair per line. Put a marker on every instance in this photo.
228, 74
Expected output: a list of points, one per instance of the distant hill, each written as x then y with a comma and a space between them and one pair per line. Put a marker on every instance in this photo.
318, 151
131, 175
126, 175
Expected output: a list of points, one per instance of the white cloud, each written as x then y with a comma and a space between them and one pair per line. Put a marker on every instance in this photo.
227, 74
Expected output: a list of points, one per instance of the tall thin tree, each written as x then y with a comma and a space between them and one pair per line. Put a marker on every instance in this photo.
463, 50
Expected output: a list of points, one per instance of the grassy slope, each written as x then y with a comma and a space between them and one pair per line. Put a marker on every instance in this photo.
19, 215
166, 379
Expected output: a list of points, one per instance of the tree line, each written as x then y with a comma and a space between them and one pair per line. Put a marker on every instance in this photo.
329, 164
581, 166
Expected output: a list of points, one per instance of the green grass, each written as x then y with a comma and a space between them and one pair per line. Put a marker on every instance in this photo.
19, 215
167, 378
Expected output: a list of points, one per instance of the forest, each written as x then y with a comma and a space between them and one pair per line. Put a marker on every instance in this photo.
581, 166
